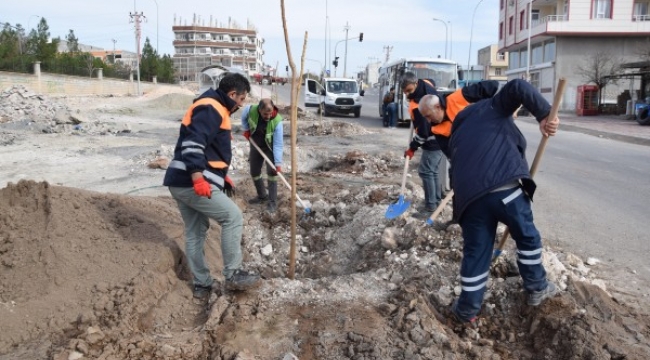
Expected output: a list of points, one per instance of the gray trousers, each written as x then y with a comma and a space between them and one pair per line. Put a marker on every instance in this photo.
197, 212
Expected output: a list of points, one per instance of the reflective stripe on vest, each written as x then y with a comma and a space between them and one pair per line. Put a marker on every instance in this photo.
214, 178
225, 114
455, 103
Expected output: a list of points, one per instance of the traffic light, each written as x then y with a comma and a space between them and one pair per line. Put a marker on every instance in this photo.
336, 62
360, 37
287, 68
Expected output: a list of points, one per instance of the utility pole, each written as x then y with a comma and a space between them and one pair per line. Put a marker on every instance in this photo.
114, 41
345, 57
387, 49
137, 19
327, 19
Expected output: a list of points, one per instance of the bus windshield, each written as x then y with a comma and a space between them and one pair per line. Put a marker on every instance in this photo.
443, 74
341, 87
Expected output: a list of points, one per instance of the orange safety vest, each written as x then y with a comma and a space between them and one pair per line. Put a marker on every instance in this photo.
225, 122
455, 103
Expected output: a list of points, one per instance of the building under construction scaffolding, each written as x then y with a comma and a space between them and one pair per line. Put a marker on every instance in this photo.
199, 44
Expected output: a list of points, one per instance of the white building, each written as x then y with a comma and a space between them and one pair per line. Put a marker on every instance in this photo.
372, 73
202, 44
567, 33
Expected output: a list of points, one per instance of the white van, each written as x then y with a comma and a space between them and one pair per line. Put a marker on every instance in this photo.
334, 95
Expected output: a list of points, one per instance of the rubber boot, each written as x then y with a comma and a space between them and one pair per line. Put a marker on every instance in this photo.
273, 196
261, 192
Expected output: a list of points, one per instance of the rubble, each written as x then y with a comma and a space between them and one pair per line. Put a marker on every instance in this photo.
89, 274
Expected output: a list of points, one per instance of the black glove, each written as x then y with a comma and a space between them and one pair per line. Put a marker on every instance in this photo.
229, 187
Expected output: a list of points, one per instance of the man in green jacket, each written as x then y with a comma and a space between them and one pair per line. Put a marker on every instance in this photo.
267, 135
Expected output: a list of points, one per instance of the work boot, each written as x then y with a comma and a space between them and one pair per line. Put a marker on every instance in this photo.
202, 293
458, 322
273, 196
536, 297
261, 192
243, 280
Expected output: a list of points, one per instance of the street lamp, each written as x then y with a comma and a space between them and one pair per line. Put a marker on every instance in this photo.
451, 39
471, 33
336, 45
446, 35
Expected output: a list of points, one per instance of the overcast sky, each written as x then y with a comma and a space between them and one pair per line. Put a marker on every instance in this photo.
407, 26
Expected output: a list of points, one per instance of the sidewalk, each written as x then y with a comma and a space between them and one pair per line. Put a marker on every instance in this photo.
615, 127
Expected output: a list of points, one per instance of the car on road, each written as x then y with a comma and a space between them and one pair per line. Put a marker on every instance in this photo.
334, 95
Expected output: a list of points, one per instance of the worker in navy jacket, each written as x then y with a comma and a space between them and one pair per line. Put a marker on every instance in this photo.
197, 178
492, 183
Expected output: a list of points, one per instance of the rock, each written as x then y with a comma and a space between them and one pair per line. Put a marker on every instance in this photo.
290, 356
573, 260
592, 261
457, 290
94, 335
600, 283
267, 250
161, 162
168, 350
388, 239
75, 355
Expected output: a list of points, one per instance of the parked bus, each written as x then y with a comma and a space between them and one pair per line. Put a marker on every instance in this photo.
443, 72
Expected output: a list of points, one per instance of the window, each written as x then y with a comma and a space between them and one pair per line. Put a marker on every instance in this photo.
521, 20
501, 31
641, 11
497, 72
501, 4
514, 60
549, 51
510, 23
537, 54
534, 80
523, 58
535, 15
602, 9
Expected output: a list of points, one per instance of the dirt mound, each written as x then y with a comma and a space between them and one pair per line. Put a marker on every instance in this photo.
170, 101
103, 276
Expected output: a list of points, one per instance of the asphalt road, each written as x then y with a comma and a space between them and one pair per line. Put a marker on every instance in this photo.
593, 196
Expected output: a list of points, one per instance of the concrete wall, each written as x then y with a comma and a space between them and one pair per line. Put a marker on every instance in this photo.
572, 51
48, 83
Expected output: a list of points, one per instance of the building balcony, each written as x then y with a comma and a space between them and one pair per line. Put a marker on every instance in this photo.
211, 43
563, 25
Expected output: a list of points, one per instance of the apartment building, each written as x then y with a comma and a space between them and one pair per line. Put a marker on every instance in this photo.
565, 34
127, 58
203, 43
495, 63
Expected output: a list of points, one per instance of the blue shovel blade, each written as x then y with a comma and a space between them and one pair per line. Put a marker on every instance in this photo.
398, 208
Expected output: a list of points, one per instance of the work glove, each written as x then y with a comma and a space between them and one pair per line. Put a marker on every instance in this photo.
409, 152
229, 187
202, 188
247, 134
278, 169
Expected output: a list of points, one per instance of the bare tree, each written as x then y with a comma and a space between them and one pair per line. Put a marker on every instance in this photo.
295, 90
598, 69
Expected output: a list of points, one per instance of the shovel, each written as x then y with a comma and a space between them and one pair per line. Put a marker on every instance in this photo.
443, 203
268, 161
538, 157
398, 208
